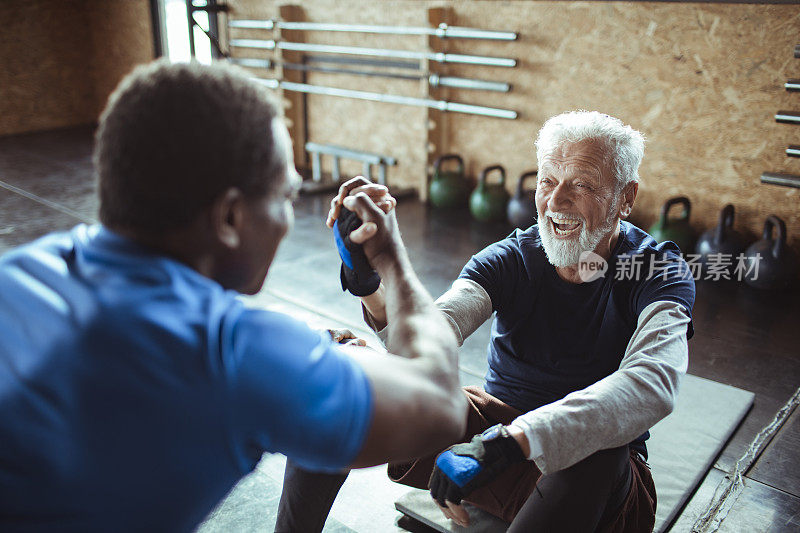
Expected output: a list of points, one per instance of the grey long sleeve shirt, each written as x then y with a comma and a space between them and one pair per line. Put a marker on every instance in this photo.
608, 413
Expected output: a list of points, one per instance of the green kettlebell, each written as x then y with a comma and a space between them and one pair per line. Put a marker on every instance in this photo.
487, 202
448, 188
677, 230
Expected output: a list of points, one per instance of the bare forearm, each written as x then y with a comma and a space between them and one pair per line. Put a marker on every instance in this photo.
465, 306
417, 326
375, 304
418, 405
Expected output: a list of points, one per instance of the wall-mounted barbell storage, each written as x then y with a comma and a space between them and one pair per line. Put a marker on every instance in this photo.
787, 117
441, 105
443, 30
439, 57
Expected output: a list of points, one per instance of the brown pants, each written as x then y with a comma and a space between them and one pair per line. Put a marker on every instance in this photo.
507, 494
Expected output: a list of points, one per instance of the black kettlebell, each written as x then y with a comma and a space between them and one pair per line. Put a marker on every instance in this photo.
677, 230
521, 210
722, 240
487, 202
448, 188
777, 264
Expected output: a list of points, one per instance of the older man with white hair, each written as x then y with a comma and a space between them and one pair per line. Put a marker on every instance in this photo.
580, 366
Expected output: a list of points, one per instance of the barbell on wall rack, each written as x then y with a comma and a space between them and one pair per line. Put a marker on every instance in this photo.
784, 180
439, 57
434, 80
345, 60
441, 105
788, 117
365, 61
443, 31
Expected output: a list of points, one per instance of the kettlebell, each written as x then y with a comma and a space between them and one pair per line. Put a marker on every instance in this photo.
777, 266
448, 188
722, 240
678, 229
487, 202
521, 210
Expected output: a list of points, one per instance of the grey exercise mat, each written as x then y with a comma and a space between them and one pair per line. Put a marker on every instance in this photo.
682, 448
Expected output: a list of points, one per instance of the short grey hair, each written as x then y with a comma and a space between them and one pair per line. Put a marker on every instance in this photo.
623, 144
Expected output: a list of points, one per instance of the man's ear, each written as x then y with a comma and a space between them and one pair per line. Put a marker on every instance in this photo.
227, 217
628, 198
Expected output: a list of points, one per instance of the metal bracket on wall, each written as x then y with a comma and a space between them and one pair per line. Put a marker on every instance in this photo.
213, 9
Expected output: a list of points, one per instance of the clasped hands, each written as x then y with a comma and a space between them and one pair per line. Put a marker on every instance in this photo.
365, 233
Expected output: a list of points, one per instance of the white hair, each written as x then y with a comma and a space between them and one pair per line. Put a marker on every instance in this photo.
623, 144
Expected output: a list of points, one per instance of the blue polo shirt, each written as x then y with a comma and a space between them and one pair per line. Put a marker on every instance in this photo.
551, 337
135, 392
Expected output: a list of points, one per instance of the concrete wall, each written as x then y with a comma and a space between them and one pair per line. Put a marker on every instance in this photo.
62, 58
702, 81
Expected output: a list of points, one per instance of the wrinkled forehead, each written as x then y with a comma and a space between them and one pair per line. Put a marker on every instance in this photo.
584, 157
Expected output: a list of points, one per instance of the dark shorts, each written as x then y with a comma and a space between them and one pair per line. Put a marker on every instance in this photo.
507, 494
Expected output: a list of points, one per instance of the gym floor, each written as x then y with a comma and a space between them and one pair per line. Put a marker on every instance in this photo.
743, 338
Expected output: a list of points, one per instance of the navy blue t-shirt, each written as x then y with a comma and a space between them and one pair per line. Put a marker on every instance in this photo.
551, 337
135, 392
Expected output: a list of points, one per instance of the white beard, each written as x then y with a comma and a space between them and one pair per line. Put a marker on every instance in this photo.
567, 252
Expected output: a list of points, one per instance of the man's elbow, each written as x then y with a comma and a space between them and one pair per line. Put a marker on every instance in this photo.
666, 406
659, 388
449, 423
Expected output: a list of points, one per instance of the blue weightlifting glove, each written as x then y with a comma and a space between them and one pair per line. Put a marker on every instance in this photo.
356, 274
463, 468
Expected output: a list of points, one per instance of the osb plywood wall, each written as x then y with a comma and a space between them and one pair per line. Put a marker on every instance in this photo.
702, 81
62, 58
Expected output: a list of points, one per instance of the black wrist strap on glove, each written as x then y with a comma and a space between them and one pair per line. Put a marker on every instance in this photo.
465, 467
356, 275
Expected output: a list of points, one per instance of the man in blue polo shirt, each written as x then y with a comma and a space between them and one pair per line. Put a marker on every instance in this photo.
580, 365
135, 388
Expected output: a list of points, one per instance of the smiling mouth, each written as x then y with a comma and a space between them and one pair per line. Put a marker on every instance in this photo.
564, 227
